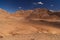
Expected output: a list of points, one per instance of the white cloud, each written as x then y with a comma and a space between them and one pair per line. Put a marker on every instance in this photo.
51, 10
41, 3
36, 3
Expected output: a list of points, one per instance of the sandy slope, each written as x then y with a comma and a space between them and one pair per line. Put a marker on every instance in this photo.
18, 25
35, 36
22, 27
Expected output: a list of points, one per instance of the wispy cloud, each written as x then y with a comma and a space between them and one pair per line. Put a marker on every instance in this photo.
51, 10
51, 5
19, 7
40, 3
35, 3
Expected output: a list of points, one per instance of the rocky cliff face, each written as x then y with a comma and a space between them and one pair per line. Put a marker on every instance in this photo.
37, 14
40, 13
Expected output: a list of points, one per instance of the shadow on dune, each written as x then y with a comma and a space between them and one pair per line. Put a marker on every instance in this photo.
42, 22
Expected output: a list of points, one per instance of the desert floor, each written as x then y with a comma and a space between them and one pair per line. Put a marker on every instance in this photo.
35, 36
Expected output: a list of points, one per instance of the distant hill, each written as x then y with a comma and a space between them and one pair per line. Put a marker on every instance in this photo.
39, 13
29, 22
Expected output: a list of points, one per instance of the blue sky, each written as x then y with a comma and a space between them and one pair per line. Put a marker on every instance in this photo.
13, 5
